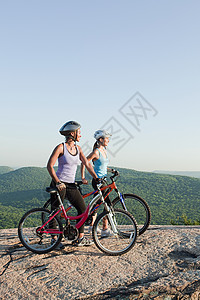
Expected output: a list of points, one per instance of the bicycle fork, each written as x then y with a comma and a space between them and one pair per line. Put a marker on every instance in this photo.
111, 218
110, 214
122, 201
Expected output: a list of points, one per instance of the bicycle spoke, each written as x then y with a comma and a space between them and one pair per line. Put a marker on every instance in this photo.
120, 242
136, 206
36, 237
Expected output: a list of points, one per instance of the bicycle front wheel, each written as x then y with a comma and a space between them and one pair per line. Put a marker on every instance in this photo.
119, 242
136, 206
36, 239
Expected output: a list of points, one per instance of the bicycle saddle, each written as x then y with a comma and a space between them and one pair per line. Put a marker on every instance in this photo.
51, 190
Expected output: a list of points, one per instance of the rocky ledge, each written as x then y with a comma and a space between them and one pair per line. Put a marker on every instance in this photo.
164, 264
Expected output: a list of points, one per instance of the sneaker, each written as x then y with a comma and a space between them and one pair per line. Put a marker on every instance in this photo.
82, 242
59, 246
90, 230
106, 233
98, 230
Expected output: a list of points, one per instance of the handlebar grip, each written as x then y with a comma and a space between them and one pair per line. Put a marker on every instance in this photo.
115, 174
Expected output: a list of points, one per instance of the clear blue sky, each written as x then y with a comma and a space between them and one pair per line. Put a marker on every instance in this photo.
91, 61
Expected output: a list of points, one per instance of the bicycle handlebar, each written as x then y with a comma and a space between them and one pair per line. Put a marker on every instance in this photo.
115, 174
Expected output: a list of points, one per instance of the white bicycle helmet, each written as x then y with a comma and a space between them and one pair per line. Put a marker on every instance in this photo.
68, 127
101, 134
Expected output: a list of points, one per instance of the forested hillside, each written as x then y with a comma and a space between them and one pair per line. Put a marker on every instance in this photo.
5, 169
168, 196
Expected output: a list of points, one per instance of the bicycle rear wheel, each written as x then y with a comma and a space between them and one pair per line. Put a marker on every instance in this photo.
47, 204
36, 240
136, 206
120, 242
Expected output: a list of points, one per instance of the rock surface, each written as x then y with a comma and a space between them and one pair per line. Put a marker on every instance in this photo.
164, 264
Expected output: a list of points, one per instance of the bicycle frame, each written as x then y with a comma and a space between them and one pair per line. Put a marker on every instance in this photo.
83, 217
110, 186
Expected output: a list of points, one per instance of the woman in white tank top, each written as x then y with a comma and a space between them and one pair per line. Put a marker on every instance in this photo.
69, 155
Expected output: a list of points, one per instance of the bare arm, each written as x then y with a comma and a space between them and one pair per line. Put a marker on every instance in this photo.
86, 164
83, 174
92, 156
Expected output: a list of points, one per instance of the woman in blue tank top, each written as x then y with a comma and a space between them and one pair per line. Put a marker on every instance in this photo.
69, 155
100, 161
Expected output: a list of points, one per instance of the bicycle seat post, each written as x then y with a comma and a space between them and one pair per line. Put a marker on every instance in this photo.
59, 199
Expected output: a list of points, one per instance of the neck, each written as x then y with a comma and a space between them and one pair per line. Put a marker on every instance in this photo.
102, 147
70, 144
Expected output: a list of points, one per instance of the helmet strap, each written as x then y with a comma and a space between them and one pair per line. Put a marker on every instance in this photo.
75, 138
100, 143
69, 136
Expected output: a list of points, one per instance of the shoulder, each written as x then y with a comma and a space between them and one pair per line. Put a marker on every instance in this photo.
80, 151
59, 148
79, 148
96, 153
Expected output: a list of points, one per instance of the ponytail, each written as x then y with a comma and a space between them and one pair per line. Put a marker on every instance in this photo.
96, 145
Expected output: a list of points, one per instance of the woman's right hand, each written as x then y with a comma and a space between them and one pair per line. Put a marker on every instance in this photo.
84, 181
60, 186
98, 180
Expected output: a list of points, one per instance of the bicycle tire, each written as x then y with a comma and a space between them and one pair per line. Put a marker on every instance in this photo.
36, 242
47, 204
138, 207
124, 240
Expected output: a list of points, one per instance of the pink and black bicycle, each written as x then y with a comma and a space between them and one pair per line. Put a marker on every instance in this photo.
39, 226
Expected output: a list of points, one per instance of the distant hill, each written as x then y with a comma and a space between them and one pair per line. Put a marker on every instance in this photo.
169, 196
5, 169
195, 174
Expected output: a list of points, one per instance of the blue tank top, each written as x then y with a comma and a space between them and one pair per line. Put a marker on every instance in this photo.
67, 166
100, 165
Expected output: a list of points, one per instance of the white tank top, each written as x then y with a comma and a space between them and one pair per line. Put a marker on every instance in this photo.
67, 166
